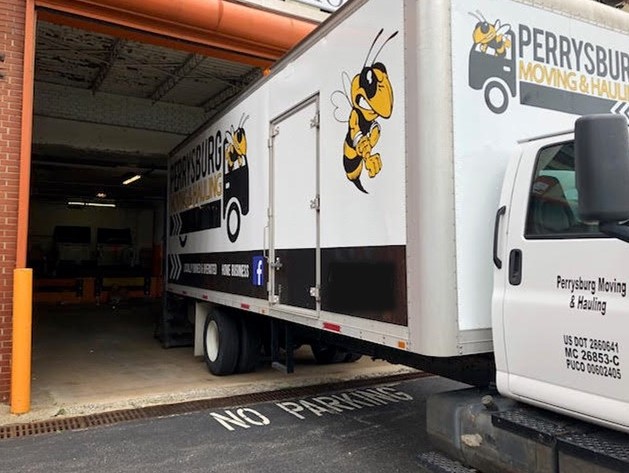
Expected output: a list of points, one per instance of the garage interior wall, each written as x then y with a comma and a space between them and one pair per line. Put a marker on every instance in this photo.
259, 40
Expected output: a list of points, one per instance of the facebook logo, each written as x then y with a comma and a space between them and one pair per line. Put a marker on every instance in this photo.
258, 270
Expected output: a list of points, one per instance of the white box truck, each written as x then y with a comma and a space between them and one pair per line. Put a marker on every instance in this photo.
403, 183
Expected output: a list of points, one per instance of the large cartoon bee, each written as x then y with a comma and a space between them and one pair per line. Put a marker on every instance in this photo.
370, 96
489, 35
236, 150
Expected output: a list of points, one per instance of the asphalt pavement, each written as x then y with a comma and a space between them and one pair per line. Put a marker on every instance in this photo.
372, 429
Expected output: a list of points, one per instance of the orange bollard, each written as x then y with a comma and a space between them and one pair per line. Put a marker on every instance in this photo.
21, 356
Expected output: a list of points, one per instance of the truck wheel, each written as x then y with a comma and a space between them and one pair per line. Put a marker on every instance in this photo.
327, 354
221, 343
496, 97
250, 345
233, 221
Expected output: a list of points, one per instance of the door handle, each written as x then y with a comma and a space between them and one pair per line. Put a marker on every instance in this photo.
515, 267
265, 233
501, 211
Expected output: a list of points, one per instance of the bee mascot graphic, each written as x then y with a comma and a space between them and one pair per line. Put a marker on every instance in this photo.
364, 99
491, 36
236, 150
235, 178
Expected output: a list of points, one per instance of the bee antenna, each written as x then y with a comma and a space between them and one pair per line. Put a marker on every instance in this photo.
475, 15
371, 47
244, 120
481, 15
383, 45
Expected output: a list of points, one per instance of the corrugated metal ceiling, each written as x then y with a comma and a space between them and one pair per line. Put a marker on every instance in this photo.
84, 60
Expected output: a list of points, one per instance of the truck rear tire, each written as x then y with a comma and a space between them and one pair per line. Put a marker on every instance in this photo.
221, 343
250, 345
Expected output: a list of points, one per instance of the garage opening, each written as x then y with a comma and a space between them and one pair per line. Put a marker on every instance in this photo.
107, 111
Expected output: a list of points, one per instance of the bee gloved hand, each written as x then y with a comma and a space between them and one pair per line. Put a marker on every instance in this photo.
373, 164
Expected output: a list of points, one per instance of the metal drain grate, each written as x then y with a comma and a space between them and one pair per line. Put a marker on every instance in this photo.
115, 417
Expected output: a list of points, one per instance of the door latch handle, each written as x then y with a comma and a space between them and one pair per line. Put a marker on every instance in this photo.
515, 267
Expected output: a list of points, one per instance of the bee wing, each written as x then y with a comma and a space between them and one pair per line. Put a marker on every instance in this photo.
229, 137
340, 100
502, 30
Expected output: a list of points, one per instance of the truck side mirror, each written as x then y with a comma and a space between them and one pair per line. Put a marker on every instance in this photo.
602, 168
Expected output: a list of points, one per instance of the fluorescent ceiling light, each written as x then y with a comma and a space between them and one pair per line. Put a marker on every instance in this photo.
131, 179
91, 204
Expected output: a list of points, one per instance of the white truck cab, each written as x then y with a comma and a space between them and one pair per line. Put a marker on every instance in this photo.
560, 308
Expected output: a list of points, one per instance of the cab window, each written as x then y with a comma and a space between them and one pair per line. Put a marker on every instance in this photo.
553, 197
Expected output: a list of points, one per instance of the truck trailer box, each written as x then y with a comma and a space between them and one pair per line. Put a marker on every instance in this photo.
362, 187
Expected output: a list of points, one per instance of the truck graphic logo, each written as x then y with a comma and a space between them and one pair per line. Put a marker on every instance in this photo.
546, 69
492, 63
210, 185
364, 99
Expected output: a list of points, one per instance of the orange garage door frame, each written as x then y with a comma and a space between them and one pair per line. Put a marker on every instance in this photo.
214, 27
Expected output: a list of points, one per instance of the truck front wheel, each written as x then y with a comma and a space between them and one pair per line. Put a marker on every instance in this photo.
221, 343
496, 97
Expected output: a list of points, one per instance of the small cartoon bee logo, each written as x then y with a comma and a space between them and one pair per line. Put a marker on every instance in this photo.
365, 98
236, 150
494, 36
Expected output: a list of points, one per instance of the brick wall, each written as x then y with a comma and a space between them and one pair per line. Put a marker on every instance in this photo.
12, 46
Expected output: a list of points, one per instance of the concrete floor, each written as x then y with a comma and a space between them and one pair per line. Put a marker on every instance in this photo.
98, 359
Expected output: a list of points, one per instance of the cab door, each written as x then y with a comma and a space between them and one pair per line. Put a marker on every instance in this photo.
563, 316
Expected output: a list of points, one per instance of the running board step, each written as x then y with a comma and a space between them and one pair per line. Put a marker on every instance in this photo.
482, 429
434, 462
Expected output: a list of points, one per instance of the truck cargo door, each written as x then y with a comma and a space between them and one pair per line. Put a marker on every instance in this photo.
565, 314
294, 216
